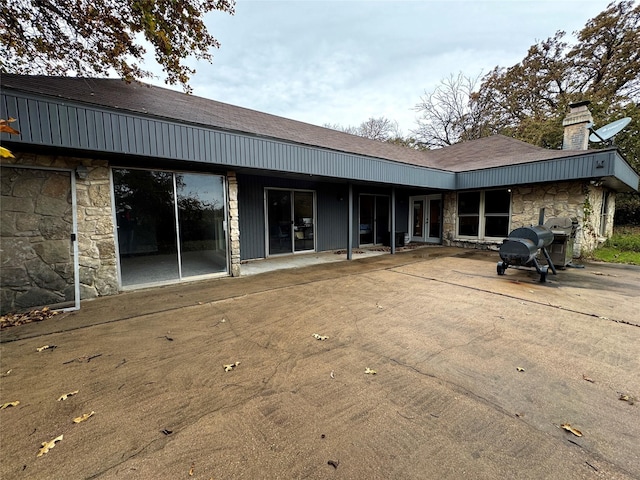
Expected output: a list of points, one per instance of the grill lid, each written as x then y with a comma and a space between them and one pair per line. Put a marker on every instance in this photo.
562, 225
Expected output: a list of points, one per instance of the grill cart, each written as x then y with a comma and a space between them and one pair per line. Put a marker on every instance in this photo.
521, 249
564, 233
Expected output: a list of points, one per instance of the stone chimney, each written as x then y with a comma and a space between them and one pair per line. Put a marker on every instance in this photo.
576, 127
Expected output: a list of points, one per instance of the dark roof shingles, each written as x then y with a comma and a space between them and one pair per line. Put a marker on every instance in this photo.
136, 97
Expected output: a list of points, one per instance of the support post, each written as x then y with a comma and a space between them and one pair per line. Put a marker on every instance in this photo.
350, 224
393, 221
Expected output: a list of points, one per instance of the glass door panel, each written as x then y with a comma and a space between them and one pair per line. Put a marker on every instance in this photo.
434, 218
367, 207
201, 217
303, 221
382, 220
418, 218
279, 221
145, 216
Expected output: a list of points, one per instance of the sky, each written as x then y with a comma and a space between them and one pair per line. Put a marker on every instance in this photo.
345, 61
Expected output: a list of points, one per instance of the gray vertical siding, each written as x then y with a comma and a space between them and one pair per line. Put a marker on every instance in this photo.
50, 122
331, 214
590, 165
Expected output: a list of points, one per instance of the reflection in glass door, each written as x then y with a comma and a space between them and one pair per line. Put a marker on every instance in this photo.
367, 215
435, 209
303, 221
170, 226
374, 220
417, 223
279, 221
201, 218
426, 218
290, 221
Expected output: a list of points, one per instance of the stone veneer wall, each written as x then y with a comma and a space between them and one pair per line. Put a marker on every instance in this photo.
234, 224
563, 199
96, 239
96, 242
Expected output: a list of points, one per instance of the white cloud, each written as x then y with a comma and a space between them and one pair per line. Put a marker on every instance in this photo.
345, 61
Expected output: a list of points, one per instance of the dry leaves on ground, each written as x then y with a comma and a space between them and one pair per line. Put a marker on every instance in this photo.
230, 366
569, 428
46, 446
10, 404
627, 398
14, 319
83, 417
46, 347
67, 395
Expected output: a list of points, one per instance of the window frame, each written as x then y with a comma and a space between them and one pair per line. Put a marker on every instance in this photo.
482, 216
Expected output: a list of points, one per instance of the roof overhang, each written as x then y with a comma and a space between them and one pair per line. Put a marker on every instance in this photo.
56, 123
604, 167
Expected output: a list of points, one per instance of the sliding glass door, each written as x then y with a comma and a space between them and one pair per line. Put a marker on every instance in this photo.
290, 221
170, 225
374, 219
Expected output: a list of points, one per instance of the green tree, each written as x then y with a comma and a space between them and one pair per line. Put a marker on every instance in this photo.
529, 100
89, 38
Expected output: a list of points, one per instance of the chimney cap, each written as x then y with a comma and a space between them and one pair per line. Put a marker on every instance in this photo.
583, 103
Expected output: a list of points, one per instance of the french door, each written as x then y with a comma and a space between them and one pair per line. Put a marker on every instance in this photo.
290, 221
425, 219
170, 225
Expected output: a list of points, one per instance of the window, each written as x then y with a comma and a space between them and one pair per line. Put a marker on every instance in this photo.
468, 214
604, 213
484, 214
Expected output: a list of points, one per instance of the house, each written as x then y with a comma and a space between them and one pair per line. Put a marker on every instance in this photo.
117, 186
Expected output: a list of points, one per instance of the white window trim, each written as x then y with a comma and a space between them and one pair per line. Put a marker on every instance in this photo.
481, 220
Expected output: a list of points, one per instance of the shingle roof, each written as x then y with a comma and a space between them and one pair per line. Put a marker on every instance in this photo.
139, 98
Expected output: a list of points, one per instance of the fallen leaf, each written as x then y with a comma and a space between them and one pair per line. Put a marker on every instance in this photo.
67, 395
6, 153
46, 347
627, 398
46, 446
520, 369
584, 377
4, 126
569, 428
231, 366
83, 417
368, 371
319, 337
10, 404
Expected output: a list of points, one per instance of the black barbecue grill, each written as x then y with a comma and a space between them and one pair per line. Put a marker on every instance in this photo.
521, 248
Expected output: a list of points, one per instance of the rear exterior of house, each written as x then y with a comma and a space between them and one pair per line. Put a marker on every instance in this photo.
117, 186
